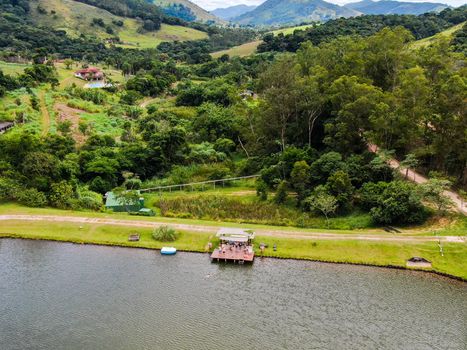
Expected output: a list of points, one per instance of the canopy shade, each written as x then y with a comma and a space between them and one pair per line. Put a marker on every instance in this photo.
235, 234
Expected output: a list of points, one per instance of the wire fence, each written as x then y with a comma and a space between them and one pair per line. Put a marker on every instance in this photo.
200, 183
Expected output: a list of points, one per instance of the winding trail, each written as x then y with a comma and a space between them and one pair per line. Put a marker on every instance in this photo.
45, 114
213, 229
420, 179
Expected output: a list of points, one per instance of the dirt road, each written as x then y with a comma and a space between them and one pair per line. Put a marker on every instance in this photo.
213, 229
420, 179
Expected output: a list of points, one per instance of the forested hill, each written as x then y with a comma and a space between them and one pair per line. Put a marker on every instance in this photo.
280, 12
187, 11
387, 7
421, 26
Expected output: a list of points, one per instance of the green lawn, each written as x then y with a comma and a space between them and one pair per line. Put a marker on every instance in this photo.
240, 51
454, 261
12, 68
290, 30
100, 234
132, 39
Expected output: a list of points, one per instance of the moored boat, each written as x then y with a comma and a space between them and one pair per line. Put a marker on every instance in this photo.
168, 251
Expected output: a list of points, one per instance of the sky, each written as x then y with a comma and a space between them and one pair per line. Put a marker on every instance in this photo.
213, 4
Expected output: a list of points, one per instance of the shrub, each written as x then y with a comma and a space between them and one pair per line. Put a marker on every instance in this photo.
164, 234
281, 194
87, 199
399, 203
32, 198
261, 189
60, 195
369, 194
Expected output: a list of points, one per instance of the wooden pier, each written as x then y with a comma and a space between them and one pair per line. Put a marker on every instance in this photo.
236, 246
233, 254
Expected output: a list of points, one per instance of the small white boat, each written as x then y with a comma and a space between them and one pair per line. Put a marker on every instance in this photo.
168, 251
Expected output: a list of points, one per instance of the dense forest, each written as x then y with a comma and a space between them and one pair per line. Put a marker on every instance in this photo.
304, 121
421, 26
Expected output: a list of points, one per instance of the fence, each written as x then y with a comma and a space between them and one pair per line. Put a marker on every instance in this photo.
202, 183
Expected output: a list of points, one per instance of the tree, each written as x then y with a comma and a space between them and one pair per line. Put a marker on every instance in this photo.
60, 194
64, 127
68, 63
323, 202
433, 191
399, 203
126, 197
300, 179
462, 197
261, 189
281, 193
340, 186
410, 161
281, 96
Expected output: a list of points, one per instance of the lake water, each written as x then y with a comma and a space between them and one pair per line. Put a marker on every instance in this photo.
64, 296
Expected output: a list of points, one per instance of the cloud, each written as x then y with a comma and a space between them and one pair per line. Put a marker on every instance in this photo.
213, 4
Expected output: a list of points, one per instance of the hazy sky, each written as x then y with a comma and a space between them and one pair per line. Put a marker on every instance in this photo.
213, 4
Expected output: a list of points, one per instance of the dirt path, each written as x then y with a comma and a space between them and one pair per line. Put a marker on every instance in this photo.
420, 179
73, 115
45, 114
214, 229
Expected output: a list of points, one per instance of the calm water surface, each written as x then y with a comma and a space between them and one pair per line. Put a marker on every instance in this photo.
64, 296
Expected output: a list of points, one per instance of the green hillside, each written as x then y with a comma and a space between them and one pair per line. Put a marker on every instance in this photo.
290, 30
74, 18
201, 14
448, 33
239, 51
248, 49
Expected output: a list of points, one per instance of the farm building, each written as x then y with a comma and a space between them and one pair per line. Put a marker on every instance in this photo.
112, 202
90, 74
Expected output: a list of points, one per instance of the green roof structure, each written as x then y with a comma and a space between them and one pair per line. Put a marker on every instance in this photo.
112, 202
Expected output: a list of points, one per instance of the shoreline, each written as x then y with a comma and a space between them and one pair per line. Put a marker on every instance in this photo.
198, 251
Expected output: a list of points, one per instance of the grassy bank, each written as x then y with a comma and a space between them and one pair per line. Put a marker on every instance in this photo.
378, 253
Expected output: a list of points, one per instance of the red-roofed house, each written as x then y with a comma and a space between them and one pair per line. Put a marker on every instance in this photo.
90, 74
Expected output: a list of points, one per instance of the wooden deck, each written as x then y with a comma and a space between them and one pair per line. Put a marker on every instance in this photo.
230, 253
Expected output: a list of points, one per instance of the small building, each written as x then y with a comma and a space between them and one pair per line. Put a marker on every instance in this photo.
89, 74
112, 202
5, 126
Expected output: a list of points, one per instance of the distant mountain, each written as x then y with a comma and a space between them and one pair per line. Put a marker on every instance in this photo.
280, 12
228, 13
387, 7
186, 10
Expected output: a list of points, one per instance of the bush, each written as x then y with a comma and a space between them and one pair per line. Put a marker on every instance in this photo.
32, 198
87, 199
281, 194
399, 203
164, 234
60, 195
261, 189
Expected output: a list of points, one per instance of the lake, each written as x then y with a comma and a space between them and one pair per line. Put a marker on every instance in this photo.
65, 296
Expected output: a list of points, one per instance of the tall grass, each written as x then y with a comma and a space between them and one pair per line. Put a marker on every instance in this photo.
235, 209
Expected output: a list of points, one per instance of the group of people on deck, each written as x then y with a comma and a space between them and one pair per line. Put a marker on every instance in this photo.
236, 246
